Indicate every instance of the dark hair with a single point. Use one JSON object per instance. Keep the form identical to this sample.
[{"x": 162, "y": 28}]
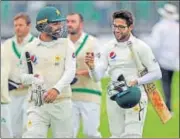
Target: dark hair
[
  {"x": 124, "y": 14},
  {"x": 23, "y": 16},
  {"x": 80, "y": 16}
]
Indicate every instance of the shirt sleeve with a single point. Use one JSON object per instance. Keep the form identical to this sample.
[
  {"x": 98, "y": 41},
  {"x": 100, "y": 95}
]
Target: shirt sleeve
[
  {"x": 5, "y": 69},
  {"x": 148, "y": 60},
  {"x": 70, "y": 69},
  {"x": 150, "y": 77},
  {"x": 147, "y": 57},
  {"x": 101, "y": 63}
]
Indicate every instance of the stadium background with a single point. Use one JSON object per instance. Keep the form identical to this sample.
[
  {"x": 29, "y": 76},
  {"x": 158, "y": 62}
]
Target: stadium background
[{"x": 97, "y": 18}]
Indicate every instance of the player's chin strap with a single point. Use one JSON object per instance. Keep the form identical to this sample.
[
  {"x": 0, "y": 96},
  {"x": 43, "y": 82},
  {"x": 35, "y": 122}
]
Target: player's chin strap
[{"x": 61, "y": 33}]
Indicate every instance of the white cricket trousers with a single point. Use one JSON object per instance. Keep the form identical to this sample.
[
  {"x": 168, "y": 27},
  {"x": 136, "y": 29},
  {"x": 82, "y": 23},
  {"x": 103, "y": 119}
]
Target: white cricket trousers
[
  {"x": 58, "y": 116},
  {"x": 90, "y": 114},
  {"x": 6, "y": 130},
  {"x": 18, "y": 107},
  {"x": 126, "y": 123}
]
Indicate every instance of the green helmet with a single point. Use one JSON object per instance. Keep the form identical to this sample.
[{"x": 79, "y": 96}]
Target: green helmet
[
  {"x": 125, "y": 96},
  {"x": 46, "y": 16},
  {"x": 128, "y": 98}
]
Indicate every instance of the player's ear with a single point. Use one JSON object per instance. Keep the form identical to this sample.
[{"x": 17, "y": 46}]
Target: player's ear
[
  {"x": 29, "y": 26},
  {"x": 131, "y": 27},
  {"x": 81, "y": 25}
]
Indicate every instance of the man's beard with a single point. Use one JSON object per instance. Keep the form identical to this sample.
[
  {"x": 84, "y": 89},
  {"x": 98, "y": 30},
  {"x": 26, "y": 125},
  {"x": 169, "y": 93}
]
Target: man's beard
[
  {"x": 123, "y": 37},
  {"x": 20, "y": 35},
  {"x": 74, "y": 32}
]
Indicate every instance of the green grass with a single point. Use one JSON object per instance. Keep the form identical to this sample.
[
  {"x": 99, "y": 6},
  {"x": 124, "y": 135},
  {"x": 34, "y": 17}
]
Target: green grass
[{"x": 153, "y": 127}]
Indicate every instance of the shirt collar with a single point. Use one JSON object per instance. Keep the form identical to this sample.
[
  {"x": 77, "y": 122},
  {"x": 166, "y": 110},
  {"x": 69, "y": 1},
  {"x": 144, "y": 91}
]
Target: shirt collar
[
  {"x": 25, "y": 40},
  {"x": 46, "y": 44},
  {"x": 80, "y": 40},
  {"x": 131, "y": 38}
]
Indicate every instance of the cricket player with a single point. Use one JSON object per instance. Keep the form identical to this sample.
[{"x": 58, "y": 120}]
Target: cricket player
[
  {"x": 86, "y": 94},
  {"x": 125, "y": 123},
  {"x": 18, "y": 91},
  {"x": 6, "y": 129},
  {"x": 49, "y": 66}
]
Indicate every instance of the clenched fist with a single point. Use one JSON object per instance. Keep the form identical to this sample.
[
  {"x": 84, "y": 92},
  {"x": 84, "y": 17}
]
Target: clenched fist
[
  {"x": 133, "y": 83},
  {"x": 89, "y": 60},
  {"x": 50, "y": 95}
]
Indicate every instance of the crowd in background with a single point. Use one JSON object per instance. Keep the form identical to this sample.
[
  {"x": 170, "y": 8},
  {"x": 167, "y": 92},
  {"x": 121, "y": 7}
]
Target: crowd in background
[{"x": 97, "y": 14}]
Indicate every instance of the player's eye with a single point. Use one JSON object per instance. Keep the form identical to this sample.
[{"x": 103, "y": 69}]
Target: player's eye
[{"x": 119, "y": 27}]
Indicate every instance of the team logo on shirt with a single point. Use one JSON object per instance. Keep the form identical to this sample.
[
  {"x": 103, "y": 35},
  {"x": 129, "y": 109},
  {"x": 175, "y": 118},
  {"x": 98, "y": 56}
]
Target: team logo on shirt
[
  {"x": 29, "y": 124},
  {"x": 136, "y": 108},
  {"x": 57, "y": 60},
  {"x": 34, "y": 59},
  {"x": 112, "y": 55}
]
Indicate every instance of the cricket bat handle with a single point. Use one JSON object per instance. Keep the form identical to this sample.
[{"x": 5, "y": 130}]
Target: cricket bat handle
[
  {"x": 29, "y": 64},
  {"x": 30, "y": 67}
]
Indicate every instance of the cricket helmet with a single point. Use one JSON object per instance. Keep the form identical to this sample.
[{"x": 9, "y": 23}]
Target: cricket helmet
[
  {"x": 126, "y": 97},
  {"x": 49, "y": 15}
]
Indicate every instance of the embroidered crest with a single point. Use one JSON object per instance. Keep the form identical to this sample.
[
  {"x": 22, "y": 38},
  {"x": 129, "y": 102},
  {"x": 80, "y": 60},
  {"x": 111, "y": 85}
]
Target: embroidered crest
[
  {"x": 57, "y": 12},
  {"x": 57, "y": 60},
  {"x": 29, "y": 124},
  {"x": 136, "y": 108}
]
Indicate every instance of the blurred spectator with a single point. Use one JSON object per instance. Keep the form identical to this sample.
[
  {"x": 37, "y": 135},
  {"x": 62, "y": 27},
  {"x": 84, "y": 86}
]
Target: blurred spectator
[
  {"x": 33, "y": 8},
  {"x": 5, "y": 11},
  {"x": 35, "y": 5},
  {"x": 164, "y": 41},
  {"x": 103, "y": 8},
  {"x": 19, "y": 6}
]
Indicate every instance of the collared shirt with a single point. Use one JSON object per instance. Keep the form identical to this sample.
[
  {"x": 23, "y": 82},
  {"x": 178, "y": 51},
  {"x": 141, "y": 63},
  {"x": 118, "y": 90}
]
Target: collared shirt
[
  {"x": 96, "y": 47},
  {"x": 25, "y": 40},
  {"x": 55, "y": 62},
  {"x": 80, "y": 40},
  {"x": 118, "y": 59},
  {"x": 48, "y": 43}
]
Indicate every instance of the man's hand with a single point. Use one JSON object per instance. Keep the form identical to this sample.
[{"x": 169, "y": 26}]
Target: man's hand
[
  {"x": 50, "y": 95},
  {"x": 89, "y": 60},
  {"x": 82, "y": 72},
  {"x": 133, "y": 83},
  {"x": 21, "y": 86}
]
